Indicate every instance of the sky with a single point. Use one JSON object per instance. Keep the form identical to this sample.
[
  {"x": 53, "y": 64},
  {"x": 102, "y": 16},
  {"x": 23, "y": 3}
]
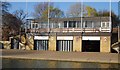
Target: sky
[{"x": 64, "y": 6}]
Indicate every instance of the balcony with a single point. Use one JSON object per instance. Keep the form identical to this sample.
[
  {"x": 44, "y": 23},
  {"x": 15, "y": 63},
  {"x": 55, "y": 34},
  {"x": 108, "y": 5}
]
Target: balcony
[{"x": 41, "y": 30}]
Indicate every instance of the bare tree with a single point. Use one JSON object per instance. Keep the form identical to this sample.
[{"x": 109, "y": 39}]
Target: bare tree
[
  {"x": 41, "y": 11},
  {"x": 78, "y": 10},
  {"x": 56, "y": 13},
  {"x": 5, "y": 6},
  {"x": 74, "y": 10},
  {"x": 20, "y": 14},
  {"x": 11, "y": 25}
]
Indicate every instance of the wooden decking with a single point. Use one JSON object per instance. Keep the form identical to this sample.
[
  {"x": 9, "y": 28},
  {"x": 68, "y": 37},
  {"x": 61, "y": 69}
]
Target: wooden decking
[{"x": 61, "y": 56}]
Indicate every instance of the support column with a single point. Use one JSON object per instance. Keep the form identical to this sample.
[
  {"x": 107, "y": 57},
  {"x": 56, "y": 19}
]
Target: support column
[
  {"x": 105, "y": 44},
  {"x": 52, "y": 43},
  {"x": 77, "y": 43}
]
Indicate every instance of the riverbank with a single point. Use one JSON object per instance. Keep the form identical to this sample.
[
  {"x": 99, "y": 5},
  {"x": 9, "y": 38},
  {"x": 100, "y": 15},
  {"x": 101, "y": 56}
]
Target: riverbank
[{"x": 61, "y": 56}]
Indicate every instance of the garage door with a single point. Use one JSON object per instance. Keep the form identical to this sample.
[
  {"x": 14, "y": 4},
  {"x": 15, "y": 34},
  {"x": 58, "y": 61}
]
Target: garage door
[
  {"x": 64, "y": 45},
  {"x": 41, "y": 45},
  {"x": 90, "y": 46}
]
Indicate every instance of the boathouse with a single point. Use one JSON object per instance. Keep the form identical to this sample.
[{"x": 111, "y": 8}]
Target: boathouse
[{"x": 81, "y": 34}]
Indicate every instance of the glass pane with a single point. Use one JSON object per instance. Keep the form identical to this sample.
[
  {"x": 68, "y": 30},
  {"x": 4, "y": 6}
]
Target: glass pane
[
  {"x": 107, "y": 24},
  {"x": 78, "y": 24},
  {"x": 70, "y": 24},
  {"x": 74, "y": 24},
  {"x": 65, "y": 24},
  {"x": 88, "y": 24},
  {"x": 97, "y": 24},
  {"x": 103, "y": 24}
]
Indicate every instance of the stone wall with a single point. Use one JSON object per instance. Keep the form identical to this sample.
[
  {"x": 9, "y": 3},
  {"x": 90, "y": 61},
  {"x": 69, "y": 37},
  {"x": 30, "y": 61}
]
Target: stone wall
[
  {"x": 6, "y": 44},
  {"x": 52, "y": 43},
  {"x": 77, "y": 43},
  {"x": 105, "y": 44},
  {"x": 27, "y": 43}
]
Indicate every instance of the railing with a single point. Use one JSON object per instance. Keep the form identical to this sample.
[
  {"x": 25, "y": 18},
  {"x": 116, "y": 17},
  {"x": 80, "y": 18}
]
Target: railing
[{"x": 68, "y": 30}]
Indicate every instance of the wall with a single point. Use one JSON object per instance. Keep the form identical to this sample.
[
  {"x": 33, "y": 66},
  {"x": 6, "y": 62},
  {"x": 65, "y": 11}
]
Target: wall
[
  {"x": 6, "y": 44},
  {"x": 52, "y": 43},
  {"x": 105, "y": 44},
  {"x": 77, "y": 43}
]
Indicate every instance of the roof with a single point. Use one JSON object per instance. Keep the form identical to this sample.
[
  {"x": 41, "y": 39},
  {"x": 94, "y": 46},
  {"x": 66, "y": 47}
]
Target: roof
[{"x": 75, "y": 19}]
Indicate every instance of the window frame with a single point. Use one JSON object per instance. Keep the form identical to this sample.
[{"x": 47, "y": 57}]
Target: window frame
[
  {"x": 86, "y": 26},
  {"x": 106, "y": 24}
]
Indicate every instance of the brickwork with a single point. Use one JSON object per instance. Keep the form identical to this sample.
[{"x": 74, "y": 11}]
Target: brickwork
[
  {"x": 77, "y": 43},
  {"x": 52, "y": 43},
  {"x": 105, "y": 44}
]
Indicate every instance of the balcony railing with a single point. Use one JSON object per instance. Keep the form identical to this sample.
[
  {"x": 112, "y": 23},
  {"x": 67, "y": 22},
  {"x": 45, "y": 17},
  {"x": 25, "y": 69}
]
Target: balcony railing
[{"x": 69, "y": 30}]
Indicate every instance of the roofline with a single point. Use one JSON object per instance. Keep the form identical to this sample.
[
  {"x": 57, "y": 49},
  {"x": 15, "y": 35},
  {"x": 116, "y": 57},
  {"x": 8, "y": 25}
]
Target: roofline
[{"x": 73, "y": 18}]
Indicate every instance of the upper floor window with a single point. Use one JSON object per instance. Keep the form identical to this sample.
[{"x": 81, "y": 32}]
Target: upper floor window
[
  {"x": 105, "y": 24},
  {"x": 34, "y": 25},
  {"x": 97, "y": 24},
  {"x": 43, "y": 25},
  {"x": 88, "y": 24},
  {"x": 65, "y": 24},
  {"x": 72, "y": 24},
  {"x": 78, "y": 24}
]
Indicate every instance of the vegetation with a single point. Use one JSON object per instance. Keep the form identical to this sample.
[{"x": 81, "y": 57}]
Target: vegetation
[
  {"x": 74, "y": 10},
  {"x": 87, "y": 11},
  {"x": 91, "y": 11},
  {"x": 78, "y": 10},
  {"x": 11, "y": 23},
  {"x": 41, "y": 11}
]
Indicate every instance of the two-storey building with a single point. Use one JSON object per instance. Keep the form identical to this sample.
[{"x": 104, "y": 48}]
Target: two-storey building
[{"x": 82, "y": 34}]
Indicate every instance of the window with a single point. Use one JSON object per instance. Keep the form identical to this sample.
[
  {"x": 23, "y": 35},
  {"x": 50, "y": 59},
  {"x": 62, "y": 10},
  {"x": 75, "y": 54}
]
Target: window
[
  {"x": 105, "y": 24},
  {"x": 36, "y": 25},
  {"x": 72, "y": 24},
  {"x": 56, "y": 25},
  {"x": 44, "y": 25},
  {"x": 33, "y": 25},
  {"x": 61, "y": 25},
  {"x": 78, "y": 24},
  {"x": 88, "y": 24},
  {"x": 65, "y": 24},
  {"x": 97, "y": 24},
  {"x": 39, "y": 25}
]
